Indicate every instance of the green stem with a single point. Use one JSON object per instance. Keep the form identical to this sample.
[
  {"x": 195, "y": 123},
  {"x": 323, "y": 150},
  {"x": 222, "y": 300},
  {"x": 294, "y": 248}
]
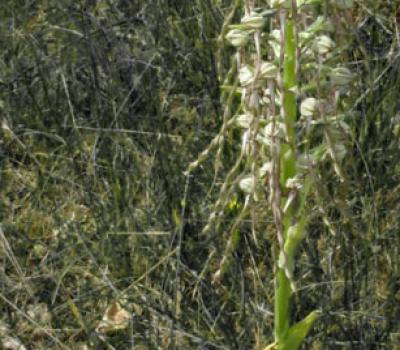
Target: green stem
[
  {"x": 282, "y": 296},
  {"x": 288, "y": 337},
  {"x": 283, "y": 290},
  {"x": 288, "y": 161}
]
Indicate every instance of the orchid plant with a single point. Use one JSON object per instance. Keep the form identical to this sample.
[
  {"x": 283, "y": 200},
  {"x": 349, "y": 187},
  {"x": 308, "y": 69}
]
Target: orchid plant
[{"x": 292, "y": 118}]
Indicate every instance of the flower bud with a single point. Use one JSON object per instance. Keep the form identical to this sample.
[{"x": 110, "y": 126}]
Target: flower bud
[
  {"x": 294, "y": 183},
  {"x": 323, "y": 44},
  {"x": 244, "y": 120},
  {"x": 309, "y": 107},
  {"x": 266, "y": 98},
  {"x": 281, "y": 3},
  {"x": 269, "y": 132},
  {"x": 237, "y": 38},
  {"x": 340, "y": 76},
  {"x": 268, "y": 70},
  {"x": 253, "y": 21},
  {"x": 265, "y": 169},
  {"x": 344, "y": 4},
  {"x": 247, "y": 184}
]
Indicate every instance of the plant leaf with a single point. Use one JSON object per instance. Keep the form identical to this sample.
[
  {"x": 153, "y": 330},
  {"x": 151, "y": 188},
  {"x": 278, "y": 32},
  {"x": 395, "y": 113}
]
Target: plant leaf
[{"x": 298, "y": 332}]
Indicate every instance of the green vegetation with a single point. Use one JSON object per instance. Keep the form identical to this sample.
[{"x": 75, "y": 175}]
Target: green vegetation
[{"x": 163, "y": 189}]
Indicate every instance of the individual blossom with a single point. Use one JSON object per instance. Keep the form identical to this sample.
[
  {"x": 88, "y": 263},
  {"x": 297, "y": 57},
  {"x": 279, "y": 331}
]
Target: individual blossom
[
  {"x": 323, "y": 44},
  {"x": 281, "y": 3},
  {"x": 266, "y": 97},
  {"x": 268, "y": 70},
  {"x": 237, "y": 38},
  {"x": 270, "y": 132},
  {"x": 340, "y": 76},
  {"x": 266, "y": 169},
  {"x": 244, "y": 120},
  {"x": 246, "y": 75},
  {"x": 344, "y": 4},
  {"x": 253, "y": 21},
  {"x": 309, "y": 107},
  {"x": 247, "y": 184}
]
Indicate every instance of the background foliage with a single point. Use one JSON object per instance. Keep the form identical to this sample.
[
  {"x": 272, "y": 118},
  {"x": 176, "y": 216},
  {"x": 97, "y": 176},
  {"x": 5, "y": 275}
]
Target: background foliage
[{"x": 103, "y": 105}]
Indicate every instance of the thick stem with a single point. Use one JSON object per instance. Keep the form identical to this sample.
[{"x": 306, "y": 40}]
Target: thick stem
[
  {"x": 283, "y": 293},
  {"x": 288, "y": 161},
  {"x": 283, "y": 290}
]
